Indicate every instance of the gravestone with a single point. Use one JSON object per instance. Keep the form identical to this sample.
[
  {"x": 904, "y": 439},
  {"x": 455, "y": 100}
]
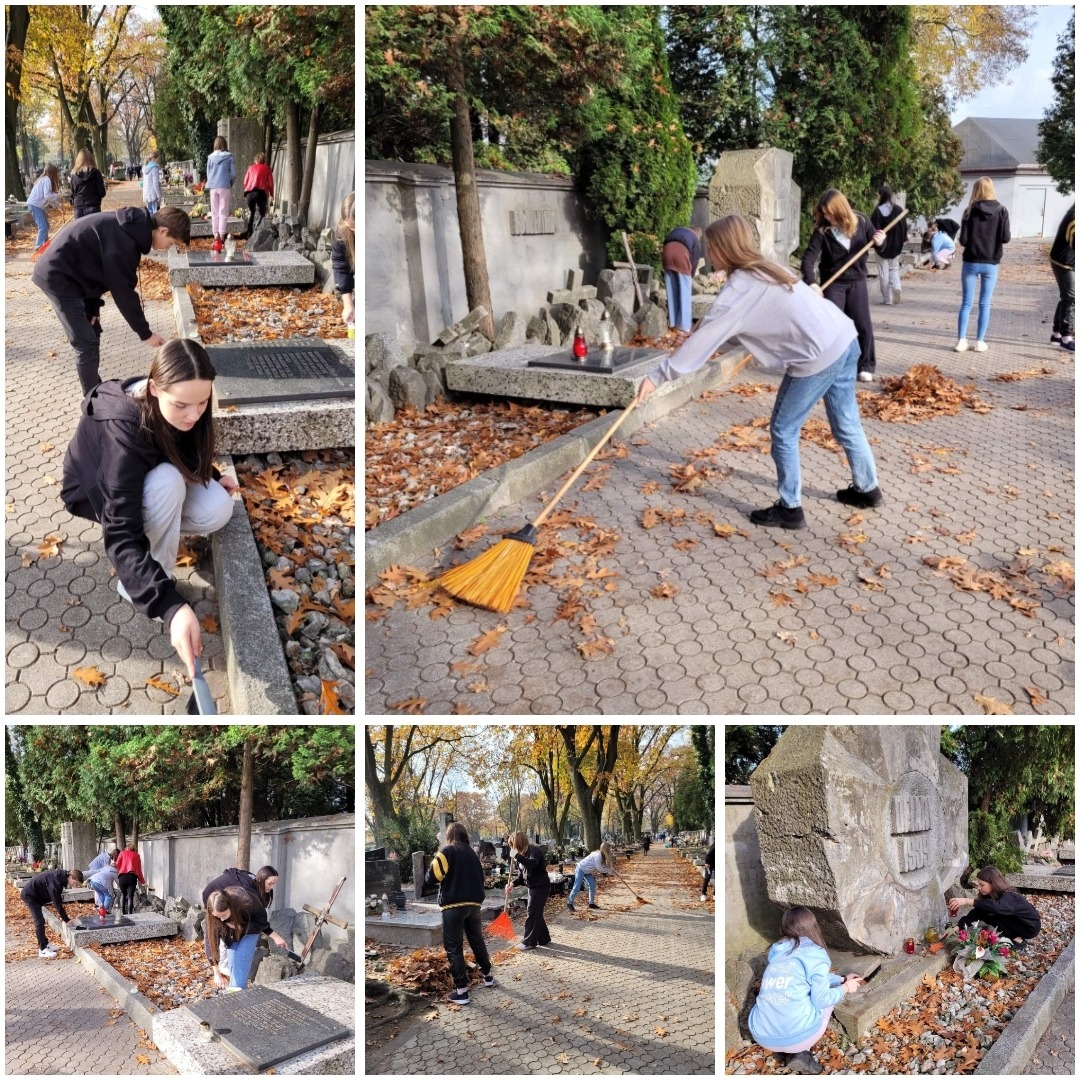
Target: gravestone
[
  {"x": 384, "y": 876},
  {"x": 866, "y": 826},
  {"x": 598, "y": 361},
  {"x": 201, "y": 227},
  {"x": 263, "y": 1027},
  {"x": 78, "y": 844},
  {"x": 758, "y": 185},
  {"x": 304, "y": 369},
  {"x": 420, "y": 864},
  {"x": 244, "y": 269},
  {"x": 138, "y": 926},
  {"x": 96, "y": 922}
]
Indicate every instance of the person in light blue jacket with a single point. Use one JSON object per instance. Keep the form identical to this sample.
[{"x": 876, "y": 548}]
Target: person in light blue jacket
[
  {"x": 220, "y": 177},
  {"x": 152, "y": 184},
  {"x": 798, "y": 993},
  {"x": 102, "y": 882}
]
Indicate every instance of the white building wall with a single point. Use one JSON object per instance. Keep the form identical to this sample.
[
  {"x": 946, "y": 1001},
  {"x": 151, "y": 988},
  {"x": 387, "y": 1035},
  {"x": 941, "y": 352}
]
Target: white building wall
[{"x": 1012, "y": 193}]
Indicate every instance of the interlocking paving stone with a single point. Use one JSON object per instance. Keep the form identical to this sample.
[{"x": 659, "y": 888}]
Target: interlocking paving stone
[{"x": 868, "y": 644}]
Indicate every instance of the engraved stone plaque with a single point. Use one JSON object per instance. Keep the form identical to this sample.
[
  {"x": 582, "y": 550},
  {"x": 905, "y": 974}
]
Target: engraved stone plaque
[
  {"x": 262, "y": 1027},
  {"x": 281, "y": 371},
  {"x": 95, "y": 922}
]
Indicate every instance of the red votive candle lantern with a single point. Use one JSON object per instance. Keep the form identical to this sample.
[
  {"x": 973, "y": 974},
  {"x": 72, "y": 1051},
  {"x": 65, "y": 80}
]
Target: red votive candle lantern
[{"x": 909, "y": 945}]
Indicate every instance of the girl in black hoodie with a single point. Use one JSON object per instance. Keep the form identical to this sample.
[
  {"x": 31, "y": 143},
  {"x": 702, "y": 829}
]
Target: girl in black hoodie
[
  {"x": 1001, "y": 906},
  {"x": 983, "y": 231},
  {"x": 87, "y": 186},
  {"x": 141, "y": 464},
  {"x": 838, "y": 233},
  {"x": 532, "y": 871}
]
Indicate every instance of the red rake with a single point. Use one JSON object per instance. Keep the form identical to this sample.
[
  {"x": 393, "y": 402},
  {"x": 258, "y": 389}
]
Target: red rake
[{"x": 502, "y": 926}]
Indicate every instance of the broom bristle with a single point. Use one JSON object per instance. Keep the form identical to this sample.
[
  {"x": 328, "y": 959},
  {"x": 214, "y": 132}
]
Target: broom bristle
[
  {"x": 502, "y": 927},
  {"x": 492, "y": 579}
]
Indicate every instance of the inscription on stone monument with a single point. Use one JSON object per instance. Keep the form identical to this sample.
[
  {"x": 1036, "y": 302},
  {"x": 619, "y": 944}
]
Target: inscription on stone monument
[{"x": 287, "y": 371}]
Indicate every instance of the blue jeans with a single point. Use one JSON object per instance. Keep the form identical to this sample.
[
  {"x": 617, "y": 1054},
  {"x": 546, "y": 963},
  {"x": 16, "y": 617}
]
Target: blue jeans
[
  {"x": 581, "y": 878},
  {"x": 678, "y": 299},
  {"x": 794, "y": 400},
  {"x": 238, "y": 960},
  {"x": 42, "y": 223},
  {"x": 968, "y": 273},
  {"x": 103, "y": 899},
  {"x": 152, "y": 207}
]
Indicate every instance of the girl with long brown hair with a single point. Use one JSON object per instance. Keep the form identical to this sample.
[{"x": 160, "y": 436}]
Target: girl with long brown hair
[
  {"x": 839, "y": 232},
  {"x": 767, "y": 310},
  {"x": 999, "y": 905},
  {"x": 601, "y": 861},
  {"x": 141, "y": 464},
  {"x": 798, "y": 993},
  {"x": 343, "y": 258},
  {"x": 531, "y": 861},
  {"x": 234, "y": 920},
  {"x": 45, "y": 193}
]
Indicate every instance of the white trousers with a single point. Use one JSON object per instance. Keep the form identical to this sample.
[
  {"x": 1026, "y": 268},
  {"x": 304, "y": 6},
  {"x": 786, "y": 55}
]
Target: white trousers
[
  {"x": 172, "y": 507},
  {"x": 888, "y": 276}
]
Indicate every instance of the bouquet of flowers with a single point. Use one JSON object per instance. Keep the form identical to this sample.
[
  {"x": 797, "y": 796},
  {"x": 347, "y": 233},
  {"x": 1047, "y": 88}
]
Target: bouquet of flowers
[
  {"x": 977, "y": 950},
  {"x": 198, "y": 210}
]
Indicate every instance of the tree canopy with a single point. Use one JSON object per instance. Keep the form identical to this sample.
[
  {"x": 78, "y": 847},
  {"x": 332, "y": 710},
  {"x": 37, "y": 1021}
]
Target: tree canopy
[{"x": 1057, "y": 129}]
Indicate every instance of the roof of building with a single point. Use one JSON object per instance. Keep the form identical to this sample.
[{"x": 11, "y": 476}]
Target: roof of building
[{"x": 992, "y": 143}]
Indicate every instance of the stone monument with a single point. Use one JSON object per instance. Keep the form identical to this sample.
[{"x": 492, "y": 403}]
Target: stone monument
[
  {"x": 864, "y": 825},
  {"x": 758, "y": 185},
  {"x": 78, "y": 844}
]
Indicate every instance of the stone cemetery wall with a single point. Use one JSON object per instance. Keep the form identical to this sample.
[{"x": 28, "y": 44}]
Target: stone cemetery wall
[
  {"x": 534, "y": 227},
  {"x": 865, "y": 825},
  {"x": 310, "y": 854},
  {"x": 333, "y": 179}
]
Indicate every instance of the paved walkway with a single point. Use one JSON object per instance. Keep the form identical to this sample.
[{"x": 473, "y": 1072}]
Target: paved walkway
[
  {"x": 63, "y": 612},
  {"x": 631, "y": 992},
  {"x": 1055, "y": 1052},
  {"x": 59, "y": 1022},
  {"x": 911, "y": 643}
]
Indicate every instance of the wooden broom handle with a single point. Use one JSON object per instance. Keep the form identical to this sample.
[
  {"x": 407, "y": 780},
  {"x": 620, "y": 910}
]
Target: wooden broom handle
[
  {"x": 537, "y": 522},
  {"x": 859, "y": 254}
]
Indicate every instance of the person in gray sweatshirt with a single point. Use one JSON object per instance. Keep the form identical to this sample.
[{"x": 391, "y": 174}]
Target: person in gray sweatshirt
[{"x": 788, "y": 327}]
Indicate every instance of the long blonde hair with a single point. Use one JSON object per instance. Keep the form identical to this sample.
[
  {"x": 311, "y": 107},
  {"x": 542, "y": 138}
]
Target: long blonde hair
[
  {"x": 983, "y": 188},
  {"x": 731, "y": 246},
  {"x": 606, "y": 857},
  {"x": 83, "y": 160},
  {"x": 346, "y": 227},
  {"x": 834, "y": 209}
]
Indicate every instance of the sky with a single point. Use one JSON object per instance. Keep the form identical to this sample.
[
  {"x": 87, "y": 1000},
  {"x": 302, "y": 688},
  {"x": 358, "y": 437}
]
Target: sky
[{"x": 1027, "y": 93}]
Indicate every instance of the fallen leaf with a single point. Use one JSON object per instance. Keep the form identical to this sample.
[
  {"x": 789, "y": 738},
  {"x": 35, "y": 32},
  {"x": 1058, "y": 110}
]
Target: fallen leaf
[
  {"x": 158, "y": 683},
  {"x": 661, "y": 1033},
  {"x": 90, "y": 676},
  {"x": 787, "y": 636},
  {"x": 142, "y": 1059},
  {"x": 782, "y": 599},
  {"x": 412, "y": 705},
  {"x": 993, "y": 707},
  {"x": 598, "y": 646},
  {"x": 1036, "y": 695},
  {"x": 50, "y": 547},
  {"x": 665, "y": 591},
  {"x": 209, "y": 624},
  {"x": 488, "y": 641}
]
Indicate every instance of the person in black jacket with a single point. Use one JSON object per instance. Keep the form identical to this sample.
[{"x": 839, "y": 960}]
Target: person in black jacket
[
  {"x": 999, "y": 905},
  {"x": 235, "y": 961},
  {"x": 532, "y": 871},
  {"x": 839, "y": 232},
  {"x": 1062, "y": 262},
  {"x": 710, "y": 865},
  {"x": 888, "y": 255},
  {"x": 984, "y": 228},
  {"x": 141, "y": 464},
  {"x": 87, "y": 186},
  {"x": 48, "y": 888},
  {"x": 343, "y": 258},
  {"x": 457, "y": 871},
  {"x": 101, "y": 254}
]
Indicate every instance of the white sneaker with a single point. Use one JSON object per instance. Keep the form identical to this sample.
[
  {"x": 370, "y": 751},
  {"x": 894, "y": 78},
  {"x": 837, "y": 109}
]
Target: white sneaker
[
  {"x": 48, "y": 954},
  {"x": 961, "y": 345},
  {"x": 866, "y": 376},
  {"x": 703, "y": 898},
  {"x": 981, "y": 346},
  {"x": 896, "y": 296}
]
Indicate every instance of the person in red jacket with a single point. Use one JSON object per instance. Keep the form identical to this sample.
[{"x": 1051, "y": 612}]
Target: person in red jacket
[
  {"x": 128, "y": 871},
  {"x": 258, "y": 186}
]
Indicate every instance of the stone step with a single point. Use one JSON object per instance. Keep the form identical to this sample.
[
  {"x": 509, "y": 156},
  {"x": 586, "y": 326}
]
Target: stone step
[{"x": 897, "y": 980}]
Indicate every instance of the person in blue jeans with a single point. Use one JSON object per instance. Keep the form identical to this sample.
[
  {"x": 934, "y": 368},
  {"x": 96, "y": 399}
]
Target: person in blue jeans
[
  {"x": 102, "y": 881},
  {"x": 234, "y": 921},
  {"x": 681, "y": 255},
  {"x": 596, "y": 862},
  {"x": 984, "y": 230},
  {"x": 45, "y": 193},
  {"x": 765, "y": 309}
]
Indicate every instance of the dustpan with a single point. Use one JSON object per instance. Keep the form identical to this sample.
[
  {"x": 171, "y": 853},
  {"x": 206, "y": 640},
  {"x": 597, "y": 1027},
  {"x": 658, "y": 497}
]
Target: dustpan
[{"x": 201, "y": 702}]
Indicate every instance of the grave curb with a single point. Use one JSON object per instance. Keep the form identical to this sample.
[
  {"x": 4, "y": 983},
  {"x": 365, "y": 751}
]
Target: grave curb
[
  {"x": 139, "y": 1007},
  {"x": 1011, "y": 1054},
  {"x": 409, "y": 538},
  {"x": 184, "y": 312},
  {"x": 259, "y": 681}
]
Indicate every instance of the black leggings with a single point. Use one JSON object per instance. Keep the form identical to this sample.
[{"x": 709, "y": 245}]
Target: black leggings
[
  {"x": 255, "y": 198},
  {"x": 39, "y": 919},
  {"x": 127, "y": 883},
  {"x": 1063, "y": 313},
  {"x": 853, "y": 299}
]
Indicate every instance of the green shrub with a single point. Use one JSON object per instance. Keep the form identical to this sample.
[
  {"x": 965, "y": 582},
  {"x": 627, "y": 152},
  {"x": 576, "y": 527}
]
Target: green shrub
[
  {"x": 991, "y": 843},
  {"x": 407, "y": 835}
]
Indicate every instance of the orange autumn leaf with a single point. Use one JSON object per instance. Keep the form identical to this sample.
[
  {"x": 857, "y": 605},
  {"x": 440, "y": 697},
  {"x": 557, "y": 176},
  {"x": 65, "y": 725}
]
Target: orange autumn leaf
[
  {"x": 90, "y": 676},
  {"x": 209, "y": 624},
  {"x": 409, "y": 705},
  {"x": 159, "y": 684},
  {"x": 50, "y": 547},
  {"x": 329, "y": 703},
  {"x": 488, "y": 641},
  {"x": 345, "y": 653}
]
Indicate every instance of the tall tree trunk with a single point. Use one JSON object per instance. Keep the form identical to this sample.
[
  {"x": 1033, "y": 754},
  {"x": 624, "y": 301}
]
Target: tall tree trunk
[
  {"x": 118, "y": 825},
  {"x": 294, "y": 166},
  {"x": 309, "y": 162},
  {"x": 470, "y": 223},
  {"x": 268, "y": 139},
  {"x": 380, "y": 791},
  {"x": 135, "y": 829},
  {"x": 590, "y": 797},
  {"x": 247, "y": 776},
  {"x": 18, "y": 22}
]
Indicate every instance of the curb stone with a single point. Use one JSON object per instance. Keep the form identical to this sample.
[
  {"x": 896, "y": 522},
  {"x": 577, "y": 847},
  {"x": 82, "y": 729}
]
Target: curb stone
[{"x": 1012, "y": 1053}]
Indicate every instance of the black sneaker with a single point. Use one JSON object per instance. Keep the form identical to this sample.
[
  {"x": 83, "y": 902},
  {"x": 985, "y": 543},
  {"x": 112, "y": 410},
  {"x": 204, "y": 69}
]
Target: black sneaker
[
  {"x": 489, "y": 979},
  {"x": 779, "y": 516},
  {"x": 459, "y": 997},
  {"x": 1055, "y": 337},
  {"x": 1068, "y": 346},
  {"x": 570, "y": 908},
  {"x": 804, "y": 1063},
  {"x": 852, "y": 496},
  {"x": 595, "y": 907}
]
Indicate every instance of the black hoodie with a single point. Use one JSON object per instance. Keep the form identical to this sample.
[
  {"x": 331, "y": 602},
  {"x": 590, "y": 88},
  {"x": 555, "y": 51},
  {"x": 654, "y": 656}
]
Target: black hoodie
[
  {"x": 48, "y": 888},
  {"x": 983, "y": 231},
  {"x": 833, "y": 254},
  {"x": 87, "y": 188},
  {"x": 99, "y": 254},
  {"x": 1012, "y": 913},
  {"x": 456, "y": 869},
  {"x": 532, "y": 868},
  {"x": 104, "y": 471},
  {"x": 1063, "y": 251},
  {"x": 895, "y": 238}
]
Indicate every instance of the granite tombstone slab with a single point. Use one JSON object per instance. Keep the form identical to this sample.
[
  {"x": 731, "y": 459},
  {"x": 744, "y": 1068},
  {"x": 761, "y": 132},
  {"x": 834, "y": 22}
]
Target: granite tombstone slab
[
  {"x": 598, "y": 361},
  {"x": 96, "y": 922},
  {"x": 213, "y": 268},
  {"x": 262, "y": 1027},
  {"x": 866, "y": 826},
  {"x": 291, "y": 370}
]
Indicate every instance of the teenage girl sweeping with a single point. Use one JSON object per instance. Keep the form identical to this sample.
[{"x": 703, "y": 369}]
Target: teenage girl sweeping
[
  {"x": 765, "y": 309},
  {"x": 1000, "y": 906},
  {"x": 45, "y": 193},
  {"x": 141, "y": 464},
  {"x": 596, "y": 862},
  {"x": 532, "y": 871},
  {"x": 798, "y": 993},
  {"x": 838, "y": 233}
]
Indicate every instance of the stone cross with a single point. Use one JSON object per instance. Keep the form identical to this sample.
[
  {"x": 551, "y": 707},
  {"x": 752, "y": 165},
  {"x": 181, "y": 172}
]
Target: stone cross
[{"x": 866, "y": 826}]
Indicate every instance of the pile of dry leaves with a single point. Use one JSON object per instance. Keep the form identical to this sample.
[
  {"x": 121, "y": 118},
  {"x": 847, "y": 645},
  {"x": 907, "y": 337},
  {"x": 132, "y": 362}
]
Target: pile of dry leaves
[
  {"x": 921, "y": 393},
  {"x": 426, "y": 971},
  {"x": 421, "y": 454},
  {"x": 265, "y": 313},
  {"x": 170, "y": 972}
]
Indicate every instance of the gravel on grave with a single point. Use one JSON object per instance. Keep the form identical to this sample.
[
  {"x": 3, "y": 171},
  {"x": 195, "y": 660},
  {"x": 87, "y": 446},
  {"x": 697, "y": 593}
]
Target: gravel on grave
[
  {"x": 302, "y": 507},
  {"x": 943, "y": 1029}
]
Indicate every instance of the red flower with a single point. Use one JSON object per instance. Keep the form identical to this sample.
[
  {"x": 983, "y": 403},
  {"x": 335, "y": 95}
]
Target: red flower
[
  {"x": 1004, "y": 950},
  {"x": 993, "y": 939},
  {"x": 963, "y": 935}
]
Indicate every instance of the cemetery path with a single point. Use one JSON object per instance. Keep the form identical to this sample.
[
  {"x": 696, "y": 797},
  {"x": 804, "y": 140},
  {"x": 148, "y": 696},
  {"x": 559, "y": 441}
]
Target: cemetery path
[
  {"x": 57, "y": 1021},
  {"x": 626, "y": 989},
  {"x": 703, "y": 624},
  {"x": 1055, "y": 1052},
  {"x": 62, "y": 611}
]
